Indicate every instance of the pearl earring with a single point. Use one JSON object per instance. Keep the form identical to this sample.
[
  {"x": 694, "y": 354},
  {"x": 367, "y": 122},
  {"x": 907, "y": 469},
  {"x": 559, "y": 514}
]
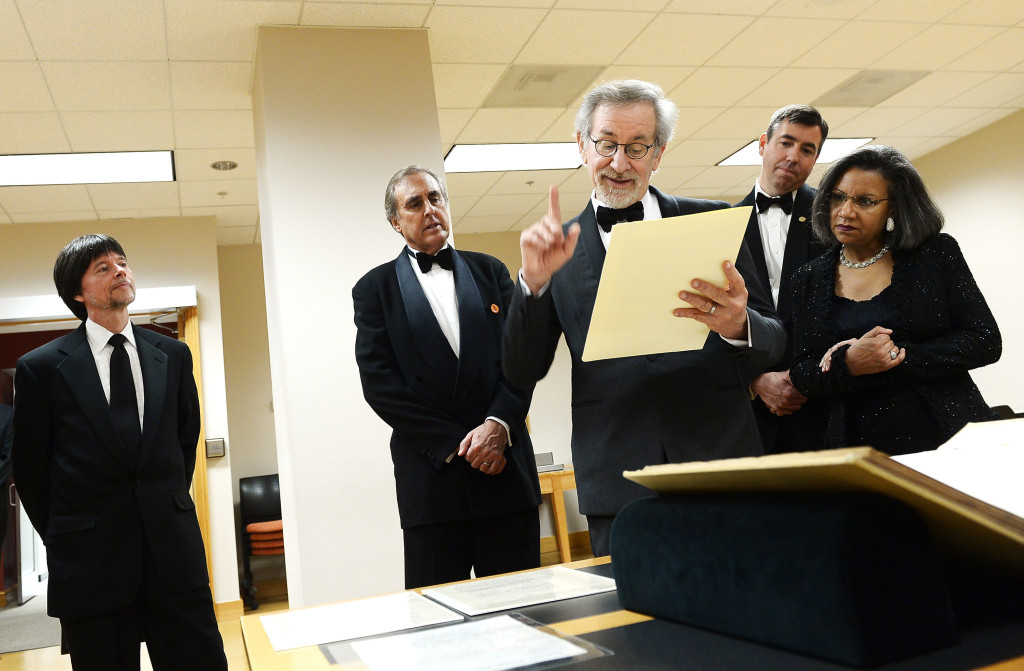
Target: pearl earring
[{"x": 890, "y": 225}]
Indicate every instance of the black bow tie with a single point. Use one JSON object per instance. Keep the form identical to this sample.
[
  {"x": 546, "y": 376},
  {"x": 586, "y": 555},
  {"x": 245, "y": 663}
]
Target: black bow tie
[
  {"x": 764, "y": 201},
  {"x": 608, "y": 217},
  {"x": 443, "y": 258}
]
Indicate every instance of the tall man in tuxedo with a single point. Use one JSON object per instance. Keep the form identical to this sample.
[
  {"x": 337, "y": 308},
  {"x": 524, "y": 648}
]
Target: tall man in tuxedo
[
  {"x": 428, "y": 343},
  {"x": 106, "y": 421},
  {"x": 630, "y": 412},
  {"x": 780, "y": 241}
]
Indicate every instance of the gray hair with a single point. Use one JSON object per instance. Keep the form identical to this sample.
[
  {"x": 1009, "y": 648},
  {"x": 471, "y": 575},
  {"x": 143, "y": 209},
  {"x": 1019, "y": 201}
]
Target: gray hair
[
  {"x": 390, "y": 208},
  {"x": 627, "y": 92}
]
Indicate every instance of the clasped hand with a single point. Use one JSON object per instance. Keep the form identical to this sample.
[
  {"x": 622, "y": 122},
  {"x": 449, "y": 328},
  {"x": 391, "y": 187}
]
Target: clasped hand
[
  {"x": 873, "y": 352},
  {"x": 484, "y": 447},
  {"x": 723, "y": 310}
]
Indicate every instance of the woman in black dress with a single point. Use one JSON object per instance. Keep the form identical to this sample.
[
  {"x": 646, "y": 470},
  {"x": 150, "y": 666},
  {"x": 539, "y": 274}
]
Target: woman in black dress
[{"x": 889, "y": 320}]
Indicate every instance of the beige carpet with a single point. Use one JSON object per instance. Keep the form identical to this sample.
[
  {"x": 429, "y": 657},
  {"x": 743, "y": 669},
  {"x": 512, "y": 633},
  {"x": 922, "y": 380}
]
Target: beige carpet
[{"x": 27, "y": 627}]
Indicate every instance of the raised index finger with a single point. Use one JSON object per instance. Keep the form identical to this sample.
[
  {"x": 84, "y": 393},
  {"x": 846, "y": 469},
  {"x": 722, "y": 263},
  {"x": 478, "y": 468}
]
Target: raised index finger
[{"x": 553, "y": 207}]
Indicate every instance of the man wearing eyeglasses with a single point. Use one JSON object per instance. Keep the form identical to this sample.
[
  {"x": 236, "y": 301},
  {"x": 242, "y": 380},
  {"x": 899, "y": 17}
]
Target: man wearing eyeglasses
[
  {"x": 780, "y": 241},
  {"x": 630, "y": 412}
]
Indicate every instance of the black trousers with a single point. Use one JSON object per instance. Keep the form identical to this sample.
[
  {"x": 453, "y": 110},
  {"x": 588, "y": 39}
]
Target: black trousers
[
  {"x": 180, "y": 631},
  {"x": 445, "y": 552},
  {"x": 600, "y": 527}
]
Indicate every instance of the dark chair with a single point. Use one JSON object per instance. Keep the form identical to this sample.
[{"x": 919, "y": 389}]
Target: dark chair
[
  {"x": 1004, "y": 412},
  {"x": 262, "y": 531}
]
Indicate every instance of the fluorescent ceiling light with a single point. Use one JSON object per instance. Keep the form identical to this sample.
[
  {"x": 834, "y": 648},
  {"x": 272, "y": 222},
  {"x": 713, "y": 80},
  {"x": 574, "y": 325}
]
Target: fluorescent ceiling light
[
  {"x": 833, "y": 150},
  {"x": 501, "y": 157},
  {"x": 97, "y": 168}
]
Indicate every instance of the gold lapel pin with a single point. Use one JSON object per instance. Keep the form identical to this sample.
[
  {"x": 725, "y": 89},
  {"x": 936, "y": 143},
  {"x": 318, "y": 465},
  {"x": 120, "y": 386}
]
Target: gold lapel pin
[{"x": 494, "y": 308}]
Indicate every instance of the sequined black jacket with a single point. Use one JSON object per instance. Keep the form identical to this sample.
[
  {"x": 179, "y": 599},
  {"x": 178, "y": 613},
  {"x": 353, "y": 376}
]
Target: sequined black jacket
[{"x": 942, "y": 320}]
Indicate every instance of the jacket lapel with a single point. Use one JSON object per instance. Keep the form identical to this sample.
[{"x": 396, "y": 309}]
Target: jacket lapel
[
  {"x": 154, "y": 383},
  {"x": 428, "y": 337},
  {"x": 798, "y": 248},
  {"x": 79, "y": 372},
  {"x": 472, "y": 326}
]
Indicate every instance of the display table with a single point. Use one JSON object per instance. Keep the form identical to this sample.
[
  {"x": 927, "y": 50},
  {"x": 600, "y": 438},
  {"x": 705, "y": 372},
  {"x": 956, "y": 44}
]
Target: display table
[
  {"x": 641, "y": 642},
  {"x": 556, "y": 483}
]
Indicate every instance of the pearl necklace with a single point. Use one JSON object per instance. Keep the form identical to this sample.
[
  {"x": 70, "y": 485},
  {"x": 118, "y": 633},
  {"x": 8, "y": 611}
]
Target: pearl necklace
[{"x": 862, "y": 264}]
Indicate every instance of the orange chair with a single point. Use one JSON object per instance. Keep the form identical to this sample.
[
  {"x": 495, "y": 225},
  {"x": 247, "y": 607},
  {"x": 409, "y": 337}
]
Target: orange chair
[{"x": 262, "y": 530}]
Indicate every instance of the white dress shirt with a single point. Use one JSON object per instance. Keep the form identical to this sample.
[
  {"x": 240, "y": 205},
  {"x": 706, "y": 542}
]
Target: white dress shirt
[
  {"x": 773, "y": 224},
  {"x": 99, "y": 338}
]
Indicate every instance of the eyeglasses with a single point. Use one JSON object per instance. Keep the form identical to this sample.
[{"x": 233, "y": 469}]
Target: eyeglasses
[
  {"x": 837, "y": 198},
  {"x": 633, "y": 149}
]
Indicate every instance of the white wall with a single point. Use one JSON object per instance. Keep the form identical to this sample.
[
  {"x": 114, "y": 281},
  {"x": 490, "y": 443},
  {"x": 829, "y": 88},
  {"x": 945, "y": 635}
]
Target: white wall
[
  {"x": 162, "y": 253},
  {"x": 978, "y": 181},
  {"x": 328, "y": 138}
]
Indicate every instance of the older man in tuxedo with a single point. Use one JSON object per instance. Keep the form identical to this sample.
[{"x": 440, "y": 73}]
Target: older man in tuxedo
[
  {"x": 635, "y": 411},
  {"x": 780, "y": 241},
  {"x": 428, "y": 343},
  {"x": 106, "y": 422}
]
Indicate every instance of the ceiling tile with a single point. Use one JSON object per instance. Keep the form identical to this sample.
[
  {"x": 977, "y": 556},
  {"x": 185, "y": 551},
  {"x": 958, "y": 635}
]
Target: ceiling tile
[
  {"x": 118, "y": 131},
  {"x": 140, "y": 213},
  {"x": 874, "y": 39},
  {"x": 998, "y": 91},
  {"x": 97, "y": 30},
  {"x": 493, "y": 3},
  {"x": 703, "y": 152},
  {"x": 460, "y": 85},
  {"x": 665, "y": 76},
  {"x": 837, "y": 116},
  {"x": 493, "y": 206},
  {"x": 876, "y": 121},
  {"x": 503, "y": 124},
  {"x": 228, "y": 216},
  {"x": 32, "y": 133},
  {"x": 200, "y": 30},
  {"x": 209, "y": 193},
  {"x": 562, "y": 129},
  {"x": 662, "y": 43},
  {"x": 668, "y": 179},
  {"x": 14, "y": 42},
  {"x": 796, "y": 85},
  {"x": 982, "y": 120},
  {"x": 988, "y": 13},
  {"x": 693, "y": 119},
  {"x": 23, "y": 88},
  {"x": 748, "y": 47},
  {"x": 928, "y": 145},
  {"x": 467, "y": 184},
  {"x": 530, "y": 182},
  {"x": 4, "y": 219},
  {"x": 119, "y": 85},
  {"x": 54, "y": 198},
  {"x": 741, "y": 123},
  {"x": 236, "y": 235},
  {"x": 740, "y": 7},
  {"x": 451, "y": 123},
  {"x": 938, "y": 121},
  {"x": 936, "y": 88},
  {"x": 724, "y": 177},
  {"x": 1002, "y": 52},
  {"x": 468, "y": 35},
  {"x": 364, "y": 15},
  {"x": 210, "y": 85},
  {"x": 614, "y": 5},
  {"x": 568, "y": 36},
  {"x": 460, "y": 204},
  {"x": 719, "y": 87},
  {"x": 816, "y": 9},
  {"x": 134, "y": 196},
  {"x": 48, "y": 217},
  {"x": 194, "y": 164},
  {"x": 196, "y": 130},
  {"x": 935, "y": 46},
  {"x": 578, "y": 182},
  {"x": 920, "y": 11}
]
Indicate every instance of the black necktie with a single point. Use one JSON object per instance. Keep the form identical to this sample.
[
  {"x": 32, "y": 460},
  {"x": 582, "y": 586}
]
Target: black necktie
[
  {"x": 608, "y": 217},
  {"x": 443, "y": 258},
  {"x": 124, "y": 406},
  {"x": 764, "y": 201}
]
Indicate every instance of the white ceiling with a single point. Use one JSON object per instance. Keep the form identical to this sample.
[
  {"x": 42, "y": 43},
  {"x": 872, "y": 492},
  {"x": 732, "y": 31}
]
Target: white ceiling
[{"x": 108, "y": 75}]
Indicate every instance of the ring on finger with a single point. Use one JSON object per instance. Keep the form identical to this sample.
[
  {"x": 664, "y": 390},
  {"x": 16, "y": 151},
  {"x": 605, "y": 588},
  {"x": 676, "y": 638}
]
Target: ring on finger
[
  {"x": 714, "y": 306},
  {"x": 893, "y": 353}
]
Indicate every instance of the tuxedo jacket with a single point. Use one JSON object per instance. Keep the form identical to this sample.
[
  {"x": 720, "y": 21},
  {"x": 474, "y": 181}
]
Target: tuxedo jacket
[
  {"x": 6, "y": 439},
  {"x": 630, "y": 412},
  {"x": 93, "y": 501},
  {"x": 431, "y": 399},
  {"x": 803, "y": 430}
]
